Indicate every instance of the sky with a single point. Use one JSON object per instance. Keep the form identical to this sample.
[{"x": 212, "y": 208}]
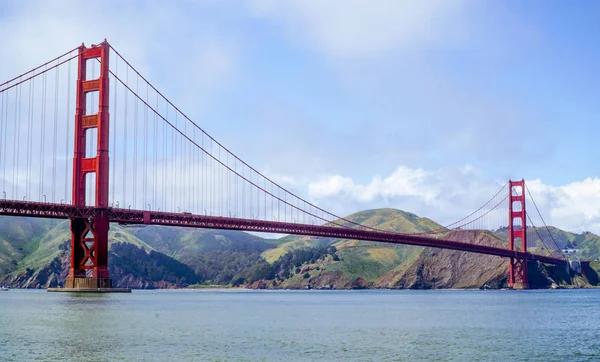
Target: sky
[{"x": 428, "y": 106}]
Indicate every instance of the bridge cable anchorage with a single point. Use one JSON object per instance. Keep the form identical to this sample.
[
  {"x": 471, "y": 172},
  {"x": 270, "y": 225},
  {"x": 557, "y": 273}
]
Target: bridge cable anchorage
[{"x": 545, "y": 225}]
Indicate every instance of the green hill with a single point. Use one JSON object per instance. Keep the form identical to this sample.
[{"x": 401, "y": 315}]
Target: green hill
[
  {"x": 384, "y": 219},
  {"x": 32, "y": 245},
  {"x": 215, "y": 255},
  {"x": 19, "y": 237},
  {"x": 359, "y": 264},
  {"x": 49, "y": 244},
  {"x": 587, "y": 243},
  {"x": 34, "y": 253}
]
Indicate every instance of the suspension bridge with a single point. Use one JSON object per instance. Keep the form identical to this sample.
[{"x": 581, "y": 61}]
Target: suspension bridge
[{"x": 60, "y": 121}]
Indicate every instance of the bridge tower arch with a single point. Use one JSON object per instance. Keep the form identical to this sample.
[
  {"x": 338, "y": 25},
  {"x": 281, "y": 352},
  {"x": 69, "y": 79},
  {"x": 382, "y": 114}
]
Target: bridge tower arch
[
  {"x": 517, "y": 231},
  {"x": 89, "y": 236}
]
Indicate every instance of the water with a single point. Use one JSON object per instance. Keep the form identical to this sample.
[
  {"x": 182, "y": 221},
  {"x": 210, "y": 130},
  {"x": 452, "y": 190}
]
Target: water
[{"x": 301, "y": 325}]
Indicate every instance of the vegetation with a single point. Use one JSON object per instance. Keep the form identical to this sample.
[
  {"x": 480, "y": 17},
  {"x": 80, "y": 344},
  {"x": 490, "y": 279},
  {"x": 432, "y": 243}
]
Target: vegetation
[
  {"x": 128, "y": 259},
  {"x": 587, "y": 243},
  {"x": 19, "y": 237},
  {"x": 220, "y": 267},
  {"x": 155, "y": 256},
  {"x": 285, "y": 267}
]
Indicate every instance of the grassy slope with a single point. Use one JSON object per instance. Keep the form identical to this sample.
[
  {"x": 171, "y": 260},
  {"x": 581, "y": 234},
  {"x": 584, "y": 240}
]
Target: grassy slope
[
  {"x": 20, "y": 237},
  {"x": 361, "y": 259},
  {"x": 383, "y": 265},
  {"x": 385, "y": 219},
  {"x": 185, "y": 244},
  {"x": 34, "y": 243},
  {"x": 587, "y": 243},
  {"x": 49, "y": 243}
]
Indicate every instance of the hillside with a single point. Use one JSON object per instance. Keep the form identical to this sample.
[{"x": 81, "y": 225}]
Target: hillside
[
  {"x": 385, "y": 219},
  {"x": 35, "y": 254},
  {"x": 215, "y": 255},
  {"x": 358, "y": 264},
  {"x": 35, "y": 250},
  {"x": 587, "y": 243},
  {"x": 130, "y": 266},
  {"x": 19, "y": 237}
]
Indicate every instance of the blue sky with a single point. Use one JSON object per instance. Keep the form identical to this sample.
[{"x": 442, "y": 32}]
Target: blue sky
[{"x": 435, "y": 98}]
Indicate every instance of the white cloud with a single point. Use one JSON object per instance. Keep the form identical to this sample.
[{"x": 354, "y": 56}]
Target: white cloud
[
  {"x": 403, "y": 182},
  {"x": 181, "y": 54},
  {"x": 447, "y": 195},
  {"x": 575, "y": 205},
  {"x": 363, "y": 29}
]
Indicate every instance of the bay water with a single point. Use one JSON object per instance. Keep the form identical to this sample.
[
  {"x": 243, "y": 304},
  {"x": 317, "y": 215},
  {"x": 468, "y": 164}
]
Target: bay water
[{"x": 240, "y": 325}]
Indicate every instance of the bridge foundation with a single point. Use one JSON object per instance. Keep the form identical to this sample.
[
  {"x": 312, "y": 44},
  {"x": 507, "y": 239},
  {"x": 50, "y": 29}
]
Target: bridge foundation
[{"x": 518, "y": 274}]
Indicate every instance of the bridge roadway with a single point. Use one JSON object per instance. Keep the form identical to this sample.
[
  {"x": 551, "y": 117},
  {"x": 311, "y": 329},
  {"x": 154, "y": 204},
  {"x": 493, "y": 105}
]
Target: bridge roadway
[{"x": 128, "y": 216}]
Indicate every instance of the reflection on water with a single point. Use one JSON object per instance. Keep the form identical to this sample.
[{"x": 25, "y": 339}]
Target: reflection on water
[
  {"x": 300, "y": 325},
  {"x": 83, "y": 326}
]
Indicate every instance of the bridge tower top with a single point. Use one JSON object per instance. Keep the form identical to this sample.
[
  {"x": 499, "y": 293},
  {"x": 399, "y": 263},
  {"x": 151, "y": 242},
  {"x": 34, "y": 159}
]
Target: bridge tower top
[{"x": 87, "y": 120}]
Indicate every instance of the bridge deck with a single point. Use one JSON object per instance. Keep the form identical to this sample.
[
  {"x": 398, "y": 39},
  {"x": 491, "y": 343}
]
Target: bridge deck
[{"x": 128, "y": 216}]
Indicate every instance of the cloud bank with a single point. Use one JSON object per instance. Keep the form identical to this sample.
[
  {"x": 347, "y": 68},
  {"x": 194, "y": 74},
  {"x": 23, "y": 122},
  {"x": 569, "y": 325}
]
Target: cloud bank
[{"x": 447, "y": 195}]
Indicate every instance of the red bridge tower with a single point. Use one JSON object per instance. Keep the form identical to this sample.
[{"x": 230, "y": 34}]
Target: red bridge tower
[
  {"x": 517, "y": 229},
  {"x": 89, "y": 236}
]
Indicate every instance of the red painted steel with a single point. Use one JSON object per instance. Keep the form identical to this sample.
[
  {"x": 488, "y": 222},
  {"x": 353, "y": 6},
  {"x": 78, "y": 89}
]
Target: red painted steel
[
  {"x": 128, "y": 216},
  {"x": 516, "y": 211},
  {"x": 89, "y": 234}
]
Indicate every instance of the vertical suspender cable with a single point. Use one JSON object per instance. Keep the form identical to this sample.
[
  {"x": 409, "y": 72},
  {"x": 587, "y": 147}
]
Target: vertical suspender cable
[
  {"x": 113, "y": 142},
  {"x": 15, "y": 140},
  {"x": 212, "y": 179},
  {"x": 135, "y": 145},
  {"x": 55, "y": 141},
  {"x": 193, "y": 172},
  {"x": 155, "y": 151},
  {"x": 203, "y": 170},
  {"x": 42, "y": 155},
  {"x": 165, "y": 166},
  {"x": 182, "y": 167},
  {"x": 2, "y": 133},
  {"x": 145, "y": 140},
  {"x": 5, "y": 130},
  {"x": 68, "y": 120},
  {"x": 125, "y": 122},
  {"x": 220, "y": 186},
  {"x": 30, "y": 141},
  {"x": 243, "y": 194},
  {"x": 28, "y": 135},
  {"x": 173, "y": 160},
  {"x": 18, "y": 150},
  {"x": 236, "y": 187},
  {"x": 228, "y": 187}
]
